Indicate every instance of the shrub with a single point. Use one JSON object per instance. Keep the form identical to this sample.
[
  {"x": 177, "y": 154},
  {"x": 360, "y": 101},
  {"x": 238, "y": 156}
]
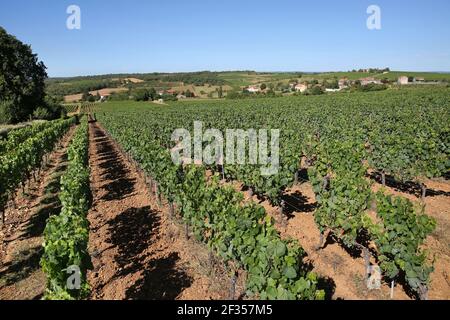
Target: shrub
[
  {"x": 316, "y": 90},
  {"x": 41, "y": 113}
]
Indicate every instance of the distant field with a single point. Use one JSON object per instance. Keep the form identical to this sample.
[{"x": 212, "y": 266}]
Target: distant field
[
  {"x": 102, "y": 92},
  {"x": 203, "y": 83},
  {"x": 394, "y": 75},
  {"x": 243, "y": 79}
]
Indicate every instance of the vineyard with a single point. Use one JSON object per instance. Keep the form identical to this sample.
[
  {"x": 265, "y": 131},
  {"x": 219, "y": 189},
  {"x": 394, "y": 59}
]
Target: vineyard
[{"x": 367, "y": 173}]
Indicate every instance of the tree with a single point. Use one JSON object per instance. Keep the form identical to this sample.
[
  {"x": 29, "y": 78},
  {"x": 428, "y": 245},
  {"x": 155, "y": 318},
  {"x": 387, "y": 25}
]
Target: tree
[
  {"x": 153, "y": 95},
  {"x": 41, "y": 113},
  {"x": 316, "y": 90},
  {"x": 333, "y": 84},
  {"x": 220, "y": 92},
  {"x": 189, "y": 94},
  {"x": 22, "y": 76},
  {"x": 141, "y": 95},
  {"x": 263, "y": 86},
  {"x": 85, "y": 96},
  {"x": 232, "y": 94}
]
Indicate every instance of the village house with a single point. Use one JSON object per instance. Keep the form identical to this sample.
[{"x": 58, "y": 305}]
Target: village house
[
  {"x": 403, "y": 80},
  {"x": 302, "y": 87},
  {"x": 369, "y": 80},
  {"x": 253, "y": 89},
  {"x": 343, "y": 83}
]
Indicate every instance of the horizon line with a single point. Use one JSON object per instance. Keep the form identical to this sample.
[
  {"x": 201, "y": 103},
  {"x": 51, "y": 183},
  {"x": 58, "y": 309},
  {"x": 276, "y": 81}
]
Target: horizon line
[{"x": 229, "y": 71}]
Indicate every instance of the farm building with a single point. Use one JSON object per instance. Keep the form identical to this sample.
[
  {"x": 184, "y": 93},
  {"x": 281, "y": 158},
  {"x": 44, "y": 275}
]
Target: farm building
[
  {"x": 403, "y": 80},
  {"x": 302, "y": 87}
]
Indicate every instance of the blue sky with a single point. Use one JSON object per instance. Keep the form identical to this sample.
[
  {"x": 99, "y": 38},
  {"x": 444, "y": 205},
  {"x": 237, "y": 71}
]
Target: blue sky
[{"x": 190, "y": 35}]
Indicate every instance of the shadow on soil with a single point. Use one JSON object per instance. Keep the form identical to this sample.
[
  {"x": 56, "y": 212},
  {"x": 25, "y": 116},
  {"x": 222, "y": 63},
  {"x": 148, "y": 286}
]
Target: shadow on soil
[
  {"x": 113, "y": 169},
  {"x": 24, "y": 264},
  {"x": 161, "y": 280},
  {"x": 297, "y": 202},
  {"x": 323, "y": 283},
  {"x": 132, "y": 232},
  {"x": 49, "y": 205},
  {"x": 409, "y": 187}
]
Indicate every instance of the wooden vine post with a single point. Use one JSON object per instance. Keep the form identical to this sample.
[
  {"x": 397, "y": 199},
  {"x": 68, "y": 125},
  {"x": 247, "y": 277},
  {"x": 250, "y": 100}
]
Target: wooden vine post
[
  {"x": 424, "y": 191},
  {"x": 281, "y": 211},
  {"x": 233, "y": 286},
  {"x": 2, "y": 210},
  {"x": 321, "y": 236},
  {"x": 326, "y": 182},
  {"x": 171, "y": 209},
  {"x": 186, "y": 231},
  {"x": 157, "y": 194},
  {"x": 366, "y": 262},
  {"x": 150, "y": 186}
]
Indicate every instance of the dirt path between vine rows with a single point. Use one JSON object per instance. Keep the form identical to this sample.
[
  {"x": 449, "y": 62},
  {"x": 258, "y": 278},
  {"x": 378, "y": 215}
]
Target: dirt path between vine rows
[
  {"x": 21, "y": 277},
  {"x": 138, "y": 253}
]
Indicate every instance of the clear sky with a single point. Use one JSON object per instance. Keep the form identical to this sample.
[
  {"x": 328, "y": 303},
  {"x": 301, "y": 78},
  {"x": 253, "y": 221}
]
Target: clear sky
[{"x": 190, "y": 35}]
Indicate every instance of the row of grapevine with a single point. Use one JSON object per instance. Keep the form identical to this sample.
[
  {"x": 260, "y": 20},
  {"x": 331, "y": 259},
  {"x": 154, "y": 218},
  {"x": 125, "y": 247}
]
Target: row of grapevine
[
  {"x": 17, "y": 165},
  {"x": 242, "y": 234},
  {"x": 84, "y": 108},
  {"x": 71, "y": 108},
  {"x": 66, "y": 235},
  {"x": 17, "y": 136},
  {"x": 398, "y": 235}
]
